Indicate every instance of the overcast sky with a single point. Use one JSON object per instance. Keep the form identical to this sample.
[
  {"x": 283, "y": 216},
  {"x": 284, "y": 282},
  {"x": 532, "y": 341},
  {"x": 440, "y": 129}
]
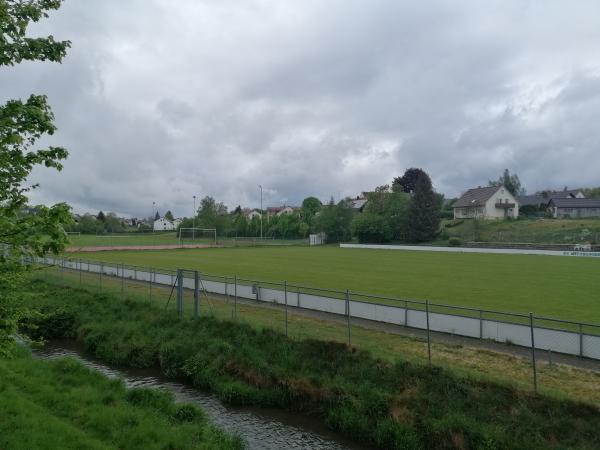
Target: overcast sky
[{"x": 163, "y": 100}]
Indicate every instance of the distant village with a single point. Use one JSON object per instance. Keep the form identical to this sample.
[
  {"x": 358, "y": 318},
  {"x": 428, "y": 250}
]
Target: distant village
[{"x": 486, "y": 203}]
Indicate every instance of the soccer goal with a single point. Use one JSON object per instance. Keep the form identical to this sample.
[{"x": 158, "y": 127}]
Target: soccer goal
[{"x": 197, "y": 236}]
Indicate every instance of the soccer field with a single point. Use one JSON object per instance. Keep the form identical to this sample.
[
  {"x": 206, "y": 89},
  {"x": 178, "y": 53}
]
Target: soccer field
[{"x": 560, "y": 287}]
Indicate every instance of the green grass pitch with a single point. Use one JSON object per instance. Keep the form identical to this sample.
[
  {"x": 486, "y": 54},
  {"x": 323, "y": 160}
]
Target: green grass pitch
[{"x": 560, "y": 287}]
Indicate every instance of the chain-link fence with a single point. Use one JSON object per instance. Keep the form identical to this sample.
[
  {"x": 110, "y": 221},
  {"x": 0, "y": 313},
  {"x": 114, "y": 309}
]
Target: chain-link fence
[{"x": 526, "y": 349}]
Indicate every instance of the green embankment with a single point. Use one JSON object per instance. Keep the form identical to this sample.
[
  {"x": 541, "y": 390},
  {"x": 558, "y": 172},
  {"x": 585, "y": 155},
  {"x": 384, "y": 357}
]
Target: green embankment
[
  {"x": 61, "y": 404},
  {"x": 537, "y": 231},
  {"x": 560, "y": 287},
  {"x": 392, "y": 405}
]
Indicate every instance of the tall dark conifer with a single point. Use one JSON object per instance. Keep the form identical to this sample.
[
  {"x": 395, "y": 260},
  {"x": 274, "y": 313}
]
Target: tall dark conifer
[{"x": 424, "y": 214}]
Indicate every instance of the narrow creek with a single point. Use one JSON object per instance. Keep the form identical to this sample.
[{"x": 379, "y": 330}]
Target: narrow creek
[{"x": 261, "y": 428}]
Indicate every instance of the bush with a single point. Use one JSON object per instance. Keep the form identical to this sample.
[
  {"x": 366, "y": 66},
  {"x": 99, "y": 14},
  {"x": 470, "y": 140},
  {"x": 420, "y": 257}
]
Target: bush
[
  {"x": 371, "y": 228},
  {"x": 454, "y": 223},
  {"x": 454, "y": 242}
]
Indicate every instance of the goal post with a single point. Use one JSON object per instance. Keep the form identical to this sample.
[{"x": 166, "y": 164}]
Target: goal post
[{"x": 197, "y": 236}]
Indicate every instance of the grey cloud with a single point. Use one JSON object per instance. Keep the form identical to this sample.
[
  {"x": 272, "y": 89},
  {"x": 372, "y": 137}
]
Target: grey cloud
[{"x": 159, "y": 101}]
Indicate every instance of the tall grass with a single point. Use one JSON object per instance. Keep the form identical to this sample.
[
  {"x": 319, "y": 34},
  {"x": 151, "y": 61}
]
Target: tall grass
[
  {"x": 61, "y": 404},
  {"x": 392, "y": 405}
]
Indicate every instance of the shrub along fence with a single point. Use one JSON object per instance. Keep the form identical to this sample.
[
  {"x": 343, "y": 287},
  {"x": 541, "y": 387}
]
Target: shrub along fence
[{"x": 524, "y": 330}]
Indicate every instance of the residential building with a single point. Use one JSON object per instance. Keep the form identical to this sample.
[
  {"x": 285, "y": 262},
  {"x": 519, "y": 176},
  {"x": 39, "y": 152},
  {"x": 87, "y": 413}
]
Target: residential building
[
  {"x": 252, "y": 213},
  {"x": 493, "y": 202},
  {"x": 358, "y": 203},
  {"x": 544, "y": 197},
  {"x": 163, "y": 224},
  {"x": 574, "y": 207},
  {"x": 280, "y": 210}
]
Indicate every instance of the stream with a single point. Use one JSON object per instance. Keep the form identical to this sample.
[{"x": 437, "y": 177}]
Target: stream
[{"x": 260, "y": 428}]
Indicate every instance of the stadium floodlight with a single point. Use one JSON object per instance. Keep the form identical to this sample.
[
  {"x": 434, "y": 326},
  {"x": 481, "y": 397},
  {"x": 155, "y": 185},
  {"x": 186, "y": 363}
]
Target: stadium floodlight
[
  {"x": 194, "y": 216},
  {"x": 197, "y": 236},
  {"x": 261, "y": 211}
]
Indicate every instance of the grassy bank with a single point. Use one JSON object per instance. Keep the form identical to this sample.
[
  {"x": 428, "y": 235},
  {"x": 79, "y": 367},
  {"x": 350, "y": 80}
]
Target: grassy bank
[
  {"x": 394, "y": 405},
  {"x": 538, "y": 231},
  {"x": 61, "y": 404},
  {"x": 550, "y": 286}
]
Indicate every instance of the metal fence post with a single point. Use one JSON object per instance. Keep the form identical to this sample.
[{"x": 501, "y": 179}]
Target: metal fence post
[
  {"x": 533, "y": 352},
  {"x": 235, "y": 297},
  {"x": 196, "y": 295},
  {"x": 428, "y": 331},
  {"x": 150, "y": 282},
  {"x": 180, "y": 292},
  {"x": 405, "y": 313},
  {"x": 580, "y": 340},
  {"x": 101, "y": 272},
  {"x": 480, "y": 324},
  {"x": 80, "y": 271},
  {"x": 286, "y": 306},
  {"x": 348, "y": 315},
  {"x": 122, "y": 281}
]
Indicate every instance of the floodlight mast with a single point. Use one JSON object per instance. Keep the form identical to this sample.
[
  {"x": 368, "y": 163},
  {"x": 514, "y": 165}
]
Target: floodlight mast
[
  {"x": 261, "y": 212},
  {"x": 194, "y": 220}
]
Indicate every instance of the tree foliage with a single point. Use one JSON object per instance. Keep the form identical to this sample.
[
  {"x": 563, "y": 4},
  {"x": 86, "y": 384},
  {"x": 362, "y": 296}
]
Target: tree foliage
[
  {"x": 408, "y": 182},
  {"x": 393, "y": 207},
  {"x": 335, "y": 220},
  {"x": 510, "y": 182},
  {"x": 25, "y": 232},
  {"x": 371, "y": 228},
  {"x": 169, "y": 216},
  {"x": 424, "y": 213}
]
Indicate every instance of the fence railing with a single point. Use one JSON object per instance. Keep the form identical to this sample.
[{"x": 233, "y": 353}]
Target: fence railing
[{"x": 545, "y": 333}]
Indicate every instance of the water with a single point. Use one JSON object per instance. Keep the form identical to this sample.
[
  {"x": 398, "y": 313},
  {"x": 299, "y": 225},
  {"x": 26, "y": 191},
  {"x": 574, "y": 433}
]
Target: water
[{"x": 264, "y": 429}]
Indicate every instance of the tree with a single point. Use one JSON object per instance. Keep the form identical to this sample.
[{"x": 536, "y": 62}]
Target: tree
[
  {"x": 407, "y": 182},
  {"x": 371, "y": 228},
  {"x": 212, "y": 214},
  {"x": 393, "y": 207},
  {"x": 101, "y": 216},
  {"x": 112, "y": 224},
  {"x": 334, "y": 220},
  {"x": 23, "y": 232},
  {"x": 592, "y": 192},
  {"x": 424, "y": 213},
  {"x": 88, "y": 224},
  {"x": 157, "y": 216},
  {"x": 510, "y": 182},
  {"x": 169, "y": 216}
]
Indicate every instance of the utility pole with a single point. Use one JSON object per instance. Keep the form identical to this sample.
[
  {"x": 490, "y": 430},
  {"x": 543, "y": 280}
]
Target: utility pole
[
  {"x": 194, "y": 220},
  {"x": 261, "y": 213}
]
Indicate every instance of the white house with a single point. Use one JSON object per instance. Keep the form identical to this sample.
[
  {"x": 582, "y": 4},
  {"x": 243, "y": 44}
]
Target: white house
[
  {"x": 163, "y": 224},
  {"x": 252, "y": 214},
  {"x": 494, "y": 202},
  {"x": 280, "y": 210},
  {"x": 176, "y": 223}
]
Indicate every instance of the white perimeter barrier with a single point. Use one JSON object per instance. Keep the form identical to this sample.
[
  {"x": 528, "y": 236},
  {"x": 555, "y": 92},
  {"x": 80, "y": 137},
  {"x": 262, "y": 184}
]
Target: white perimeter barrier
[
  {"x": 506, "y": 251},
  {"x": 577, "y": 343}
]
